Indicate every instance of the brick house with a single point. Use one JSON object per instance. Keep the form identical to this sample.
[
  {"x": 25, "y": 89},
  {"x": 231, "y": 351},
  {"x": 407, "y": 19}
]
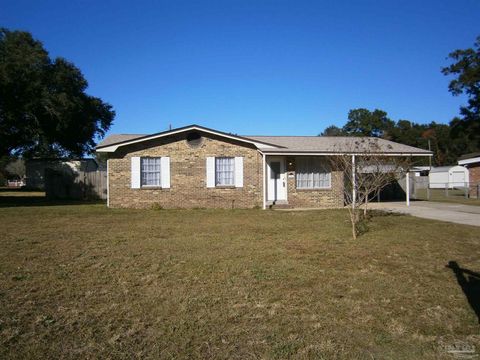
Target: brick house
[
  {"x": 472, "y": 163},
  {"x": 194, "y": 166}
]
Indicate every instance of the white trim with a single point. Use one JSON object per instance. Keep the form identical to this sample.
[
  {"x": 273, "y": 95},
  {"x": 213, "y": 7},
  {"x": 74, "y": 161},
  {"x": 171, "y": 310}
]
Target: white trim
[
  {"x": 469, "y": 161},
  {"x": 108, "y": 185},
  {"x": 264, "y": 161},
  {"x": 114, "y": 147}
]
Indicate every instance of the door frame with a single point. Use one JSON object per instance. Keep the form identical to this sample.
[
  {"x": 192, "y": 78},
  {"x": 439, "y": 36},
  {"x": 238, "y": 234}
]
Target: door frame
[{"x": 283, "y": 176}]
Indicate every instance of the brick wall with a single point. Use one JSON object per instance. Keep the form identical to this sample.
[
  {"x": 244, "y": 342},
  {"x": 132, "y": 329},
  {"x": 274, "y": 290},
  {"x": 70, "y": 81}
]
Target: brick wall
[
  {"x": 188, "y": 178},
  {"x": 187, "y": 175},
  {"x": 474, "y": 174}
]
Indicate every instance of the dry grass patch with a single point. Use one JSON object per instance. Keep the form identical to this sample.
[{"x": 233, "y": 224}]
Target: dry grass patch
[{"x": 87, "y": 282}]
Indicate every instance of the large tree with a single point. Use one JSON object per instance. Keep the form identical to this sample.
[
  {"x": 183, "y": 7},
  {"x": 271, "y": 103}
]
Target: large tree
[
  {"x": 466, "y": 69},
  {"x": 44, "y": 109},
  {"x": 332, "y": 130},
  {"x": 363, "y": 122}
]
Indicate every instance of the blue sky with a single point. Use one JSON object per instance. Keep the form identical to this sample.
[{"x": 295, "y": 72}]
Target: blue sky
[{"x": 256, "y": 67}]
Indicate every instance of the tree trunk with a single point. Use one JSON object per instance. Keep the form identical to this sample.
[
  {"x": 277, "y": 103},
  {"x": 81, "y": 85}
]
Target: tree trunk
[
  {"x": 366, "y": 205},
  {"x": 354, "y": 228},
  {"x": 353, "y": 219}
]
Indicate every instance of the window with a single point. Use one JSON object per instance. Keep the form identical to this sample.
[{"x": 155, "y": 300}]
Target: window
[
  {"x": 224, "y": 171},
  {"x": 312, "y": 173},
  {"x": 150, "y": 171}
]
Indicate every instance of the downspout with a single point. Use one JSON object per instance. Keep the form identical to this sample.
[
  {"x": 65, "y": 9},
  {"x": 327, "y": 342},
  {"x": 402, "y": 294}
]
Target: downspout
[{"x": 407, "y": 188}]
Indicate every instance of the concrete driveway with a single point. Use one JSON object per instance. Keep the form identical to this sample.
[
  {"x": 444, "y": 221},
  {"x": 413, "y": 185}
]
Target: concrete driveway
[{"x": 455, "y": 213}]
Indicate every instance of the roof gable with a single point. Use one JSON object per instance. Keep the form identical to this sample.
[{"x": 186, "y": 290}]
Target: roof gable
[{"x": 113, "y": 142}]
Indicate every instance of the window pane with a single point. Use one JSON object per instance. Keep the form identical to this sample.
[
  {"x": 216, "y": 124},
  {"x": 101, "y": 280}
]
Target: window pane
[
  {"x": 225, "y": 171},
  {"x": 150, "y": 171},
  {"x": 312, "y": 173}
]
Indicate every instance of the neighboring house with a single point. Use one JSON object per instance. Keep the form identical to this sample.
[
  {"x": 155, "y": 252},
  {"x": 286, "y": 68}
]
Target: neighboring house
[
  {"x": 472, "y": 162},
  {"x": 420, "y": 170},
  {"x": 35, "y": 169},
  {"x": 195, "y": 166},
  {"x": 15, "y": 183},
  {"x": 448, "y": 177}
]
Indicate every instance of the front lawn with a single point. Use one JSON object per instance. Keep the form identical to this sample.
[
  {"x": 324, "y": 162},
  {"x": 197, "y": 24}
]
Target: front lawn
[{"x": 82, "y": 281}]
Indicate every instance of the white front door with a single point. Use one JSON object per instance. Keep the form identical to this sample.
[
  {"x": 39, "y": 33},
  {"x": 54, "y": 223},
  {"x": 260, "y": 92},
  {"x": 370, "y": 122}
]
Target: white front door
[{"x": 276, "y": 180}]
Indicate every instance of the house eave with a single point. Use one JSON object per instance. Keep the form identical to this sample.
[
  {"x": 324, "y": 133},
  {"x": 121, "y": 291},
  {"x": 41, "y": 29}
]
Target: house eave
[
  {"x": 469, "y": 161},
  {"x": 326, "y": 153}
]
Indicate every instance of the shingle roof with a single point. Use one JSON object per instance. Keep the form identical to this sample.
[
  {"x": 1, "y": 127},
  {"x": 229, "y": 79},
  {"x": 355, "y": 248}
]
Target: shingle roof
[
  {"x": 116, "y": 138},
  {"x": 469, "y": 156},
  {"x": 336, "y": 144},
  {"x": 444, "y": 168},
  {"x": 299, "y": 144}
]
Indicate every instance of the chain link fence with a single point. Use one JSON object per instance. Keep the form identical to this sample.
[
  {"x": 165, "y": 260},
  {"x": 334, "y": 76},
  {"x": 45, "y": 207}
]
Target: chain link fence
[{"x": 421, "y": 189}]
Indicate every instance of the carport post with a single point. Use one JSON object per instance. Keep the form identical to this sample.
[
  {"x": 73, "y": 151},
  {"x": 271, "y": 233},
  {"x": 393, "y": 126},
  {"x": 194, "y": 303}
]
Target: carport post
[
  {"x": 108, "y": 185},
  {"x": 354, "y": 183},
  {"x": 264, "y": 160},
  {"x": 407, "y": 188}
]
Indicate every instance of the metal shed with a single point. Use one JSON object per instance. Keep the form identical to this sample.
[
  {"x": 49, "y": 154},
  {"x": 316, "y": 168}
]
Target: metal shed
[{"x": 448, "y": 177}]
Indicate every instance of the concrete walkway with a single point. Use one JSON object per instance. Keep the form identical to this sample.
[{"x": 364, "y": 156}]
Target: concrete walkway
[{"x": 455, "y": 213}]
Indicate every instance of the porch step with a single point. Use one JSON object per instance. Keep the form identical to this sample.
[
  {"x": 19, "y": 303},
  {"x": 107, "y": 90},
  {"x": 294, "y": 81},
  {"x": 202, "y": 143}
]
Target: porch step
[{"x": 280, "y": 204}]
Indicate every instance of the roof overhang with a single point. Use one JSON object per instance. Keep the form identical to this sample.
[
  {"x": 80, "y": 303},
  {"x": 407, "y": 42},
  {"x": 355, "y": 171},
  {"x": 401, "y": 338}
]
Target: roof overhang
[
  {"x": 469, "y": 161},
  {"x": 313, "y": 153},
  {"x": 113, "y": 147}
]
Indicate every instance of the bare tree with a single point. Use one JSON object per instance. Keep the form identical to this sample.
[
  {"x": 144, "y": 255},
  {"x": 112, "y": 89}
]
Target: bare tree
[
  {"x": 16, "y": 168},
  {"x": 366, "y": 170},
  {"x": 375, "y": 172},
  {"x": 346, "y": 163}
]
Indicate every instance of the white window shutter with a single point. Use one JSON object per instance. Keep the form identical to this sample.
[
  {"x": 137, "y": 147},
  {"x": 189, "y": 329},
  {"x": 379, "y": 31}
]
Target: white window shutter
[
  {"x": 135, "y": 173},
  {"x": 165, "y": 172},
  {"x": 239, "y": 172},
  {"x": 210, "y": 172}
]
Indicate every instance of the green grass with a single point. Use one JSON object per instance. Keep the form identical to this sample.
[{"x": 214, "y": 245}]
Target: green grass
[
  {"x": 82, "y": 281},
  {"x": 456, "y": 196}
]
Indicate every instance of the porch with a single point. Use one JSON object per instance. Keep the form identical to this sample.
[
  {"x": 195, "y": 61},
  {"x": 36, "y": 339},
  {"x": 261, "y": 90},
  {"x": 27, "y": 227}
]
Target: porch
[
  {"x": 307, "y": 181},
  {"x": 301, "y": 182}
]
